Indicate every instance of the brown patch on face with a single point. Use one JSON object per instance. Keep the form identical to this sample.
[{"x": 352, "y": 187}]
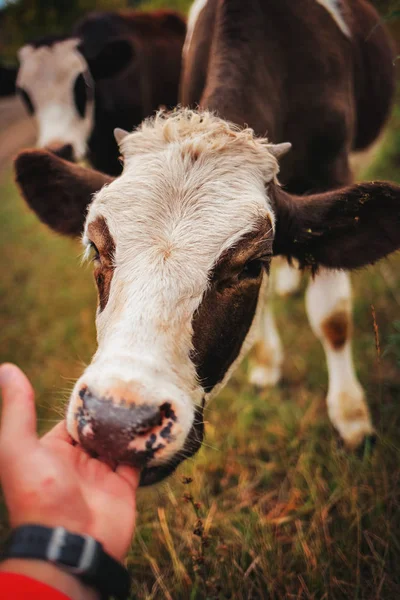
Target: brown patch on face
[
  {"x": 337, "y": 328},
  {"x": 100, "y": 235},
  {"x": 226, "y": 313}
]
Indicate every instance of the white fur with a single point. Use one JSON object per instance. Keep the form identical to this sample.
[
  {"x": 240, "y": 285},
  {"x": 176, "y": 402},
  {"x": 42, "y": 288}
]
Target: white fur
[
  {"x": 48, "y": 74},
  {"x": 191, "y": 188},
  {"x": 195, "y": 11},
  {"x": 328, "y": 293},
  {"x": 267, "y": 373},
  {"x": 334, "y": 9},
  {"x": 287, "y": 278}
]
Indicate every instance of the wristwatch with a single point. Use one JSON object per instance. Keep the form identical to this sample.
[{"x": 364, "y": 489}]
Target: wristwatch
[{"x": 79, "y": 555}]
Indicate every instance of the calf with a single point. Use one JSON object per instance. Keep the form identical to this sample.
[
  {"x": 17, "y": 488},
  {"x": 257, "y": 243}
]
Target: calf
[
  {"x": 182, "y": 241},
  {"x": 319, "y": 73},
  {"x": 114, "y": 70}
]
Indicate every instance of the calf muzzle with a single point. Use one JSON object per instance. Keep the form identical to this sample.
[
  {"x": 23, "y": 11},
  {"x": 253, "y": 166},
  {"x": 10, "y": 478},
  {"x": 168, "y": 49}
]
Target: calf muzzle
[{"x": 128, "y": 431}]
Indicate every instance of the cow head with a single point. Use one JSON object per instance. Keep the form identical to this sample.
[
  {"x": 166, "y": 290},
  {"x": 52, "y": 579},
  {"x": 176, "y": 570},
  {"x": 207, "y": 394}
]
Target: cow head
[
  {"x": 56, "y": 81},
  {"x": 181, "y": 245}
]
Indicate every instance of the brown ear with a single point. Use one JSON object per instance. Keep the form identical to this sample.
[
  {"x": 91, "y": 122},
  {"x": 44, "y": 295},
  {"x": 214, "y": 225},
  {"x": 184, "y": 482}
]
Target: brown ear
[
  {"x": 342, "y": 229},
  {"x": 58, "y": 191}
]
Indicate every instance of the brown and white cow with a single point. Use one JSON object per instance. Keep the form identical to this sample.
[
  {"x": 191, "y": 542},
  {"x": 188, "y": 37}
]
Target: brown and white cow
[
  {"x": 182, "y": 241},
  {"x": 114, "y": 70}
]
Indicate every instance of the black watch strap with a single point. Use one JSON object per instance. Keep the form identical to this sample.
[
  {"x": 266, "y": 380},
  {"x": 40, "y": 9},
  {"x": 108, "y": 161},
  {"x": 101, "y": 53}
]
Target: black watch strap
[{"x": 80, "y": 555}]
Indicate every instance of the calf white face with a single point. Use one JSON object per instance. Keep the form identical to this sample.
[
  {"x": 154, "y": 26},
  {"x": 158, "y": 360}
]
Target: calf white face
[
  {"x": 56, "y": 86},
  {"x": 185, "y": 226}
]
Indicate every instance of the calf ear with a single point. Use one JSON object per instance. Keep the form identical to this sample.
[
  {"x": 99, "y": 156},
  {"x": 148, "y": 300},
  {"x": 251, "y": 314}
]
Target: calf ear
[
  {"x": 342, "y": 229},
  {"x": 58, "y": 191}
]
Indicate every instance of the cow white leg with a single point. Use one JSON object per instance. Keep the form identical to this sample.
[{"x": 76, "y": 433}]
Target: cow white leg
[
  {"x": 267, "y": 356},
  {"x": 329, "y": 309},
  {"x": 287, "y": 278}
]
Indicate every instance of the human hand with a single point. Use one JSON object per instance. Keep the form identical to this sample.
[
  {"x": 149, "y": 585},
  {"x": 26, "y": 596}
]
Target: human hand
[{"x": 51, "y": 482}]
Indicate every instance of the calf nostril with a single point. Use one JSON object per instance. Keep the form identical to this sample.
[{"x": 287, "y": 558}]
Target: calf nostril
[
  {"x": 124, "y": 431},
  {"x": 167, "y": 411}
]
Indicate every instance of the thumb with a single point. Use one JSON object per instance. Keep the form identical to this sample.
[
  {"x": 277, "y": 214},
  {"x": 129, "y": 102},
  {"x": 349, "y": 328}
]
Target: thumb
[{"x": 18, "y": 418}]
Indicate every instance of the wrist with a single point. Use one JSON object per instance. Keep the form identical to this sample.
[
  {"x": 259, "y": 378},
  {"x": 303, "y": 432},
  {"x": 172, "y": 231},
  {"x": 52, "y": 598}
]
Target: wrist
[{"x": 50, "y": 575}]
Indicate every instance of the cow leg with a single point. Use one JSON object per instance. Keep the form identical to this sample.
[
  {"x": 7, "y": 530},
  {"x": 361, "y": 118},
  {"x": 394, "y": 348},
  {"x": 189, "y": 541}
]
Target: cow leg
[
  {"x": 287, "y": 278},
  {"x": 267, "y": 356},
  {"x": 329, "y": 309}
]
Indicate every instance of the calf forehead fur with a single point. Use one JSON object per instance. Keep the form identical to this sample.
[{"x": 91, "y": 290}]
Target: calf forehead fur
[{"x": 192, "y": 186}]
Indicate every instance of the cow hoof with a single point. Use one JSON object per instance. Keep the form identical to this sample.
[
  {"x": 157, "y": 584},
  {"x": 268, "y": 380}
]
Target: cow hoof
[
  {"x": 262, "y": 377},
  {"x": 362, "y": 435},
  {"x": 350, "y": 416}
]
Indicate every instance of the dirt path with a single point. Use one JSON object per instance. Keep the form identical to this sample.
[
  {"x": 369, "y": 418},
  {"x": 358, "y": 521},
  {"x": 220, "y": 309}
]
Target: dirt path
[{"x": 17, "y": 131}]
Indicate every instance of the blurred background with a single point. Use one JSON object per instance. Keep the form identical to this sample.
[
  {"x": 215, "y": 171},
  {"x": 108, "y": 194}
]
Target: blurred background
[
  {"x": 23, "y": 20},
  {"x": 272, "y": 506}
]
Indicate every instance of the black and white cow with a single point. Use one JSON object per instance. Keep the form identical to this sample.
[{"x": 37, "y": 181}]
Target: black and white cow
[
  {"x": 183, "y": 240},
  {"x": 114, "y": 70}
]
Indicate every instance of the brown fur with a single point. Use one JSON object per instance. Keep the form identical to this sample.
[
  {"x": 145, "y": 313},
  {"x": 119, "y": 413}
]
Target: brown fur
[
  {"x": 342, "y": 229},
  {"x": 285, "y": 68},
  {"x": 135, "y": 60},
  {"x": 58, "y": 191},
  {"x": 100, "y": 235},
  {"x": 228, "y": 307},
  {"x": 337, "y": 329}
]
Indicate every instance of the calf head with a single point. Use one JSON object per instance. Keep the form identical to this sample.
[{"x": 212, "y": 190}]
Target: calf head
[
  {"x": 181, "y": 244},
  {"x": 56, "y": 81}
]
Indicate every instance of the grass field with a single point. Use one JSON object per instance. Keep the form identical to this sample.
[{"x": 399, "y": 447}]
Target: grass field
[{"x": 275, "y": 508}]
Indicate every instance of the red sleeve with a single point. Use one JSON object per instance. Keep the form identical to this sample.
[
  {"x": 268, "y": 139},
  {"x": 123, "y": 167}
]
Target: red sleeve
[{"x": 20, "y": 587}]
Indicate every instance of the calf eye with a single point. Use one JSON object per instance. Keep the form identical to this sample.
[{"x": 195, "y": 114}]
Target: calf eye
[
  {"x": 80, "y": 94},
  {"x": 26, "y": 100},
  {"x": 251, "y": 270},
  {"x": 94, "y": 253}
]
